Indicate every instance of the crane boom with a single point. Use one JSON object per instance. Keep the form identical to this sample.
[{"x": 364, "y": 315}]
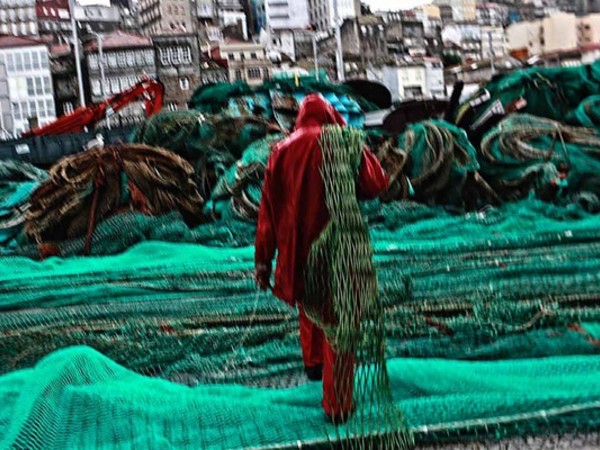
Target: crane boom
[{"x": 150, "y": 91}]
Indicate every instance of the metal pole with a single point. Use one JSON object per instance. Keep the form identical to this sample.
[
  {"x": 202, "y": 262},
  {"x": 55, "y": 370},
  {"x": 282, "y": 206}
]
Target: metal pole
[
  {"x": 102, "y": 78},
  {"x": 77, "y": 57},
  {"x": 492, "y": 54},
  {"x": 315, "y": 54},
  {"x": 338, "y": 40}
]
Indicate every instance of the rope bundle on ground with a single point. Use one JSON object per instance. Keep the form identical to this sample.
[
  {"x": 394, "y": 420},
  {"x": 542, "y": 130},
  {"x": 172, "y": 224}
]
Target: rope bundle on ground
[
  {"x": 433, "y": 162},
  {"x": 86, "y": 188},
  {"x": 526, "y": 153},
  {"x": 211, "y": 144}
]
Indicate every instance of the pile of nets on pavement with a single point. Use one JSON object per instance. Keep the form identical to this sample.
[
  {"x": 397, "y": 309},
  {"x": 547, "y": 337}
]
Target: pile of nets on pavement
[
  {"x": 17, "y": 182},
  {"x": 561, "y": 94},
  {"x": 277, "y": 100},
  {"x": 516, "y": 285},
  {"x": 488, "y": 260},
  {"x": 88, "y": 187}
]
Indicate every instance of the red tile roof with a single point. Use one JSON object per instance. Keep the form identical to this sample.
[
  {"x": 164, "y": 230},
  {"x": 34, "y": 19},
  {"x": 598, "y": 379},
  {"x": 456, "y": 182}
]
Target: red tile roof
[
  {"x": 10, "y": 41},
  {"x": 119, "y": 39},
  {"x": 60, "y": 49}
]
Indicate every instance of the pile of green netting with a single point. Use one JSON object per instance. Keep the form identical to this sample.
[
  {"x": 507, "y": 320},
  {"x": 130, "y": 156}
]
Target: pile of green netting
[
  {"x": 516, "y": 286},
  {"x": 18, "y": 181},
  {"x": 278, "y": 99},
  {"x": 488, "y": 264},
  {"x": 558, "y": 93},
  {"x": 78, "y": 399}
]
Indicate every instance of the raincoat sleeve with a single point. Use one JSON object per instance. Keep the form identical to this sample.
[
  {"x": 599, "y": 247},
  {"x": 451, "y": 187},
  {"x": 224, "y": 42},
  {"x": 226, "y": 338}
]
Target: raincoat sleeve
[
  {"x": 372, "y": 180},
  {"x": 266, "y": 243}
]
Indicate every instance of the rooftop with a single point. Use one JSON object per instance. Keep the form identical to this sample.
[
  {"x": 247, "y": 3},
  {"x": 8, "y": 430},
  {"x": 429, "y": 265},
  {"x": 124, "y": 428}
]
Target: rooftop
[
  {"x": 119, "y": 39},
  {"x": 9, "y": 41}
]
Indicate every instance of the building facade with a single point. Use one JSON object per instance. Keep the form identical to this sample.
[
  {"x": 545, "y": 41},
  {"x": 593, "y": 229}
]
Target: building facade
[
  {"x": 322, "y": 14},
  {"x": 418, "y": 79},
  {"x": 127, "y": 57},
  {"x": 492, "y": 14},
  {"x": 555, "y": 33},
  {"x": 53, "y": 17},
  {"x": 245, "y": 61},
  {"x": 493, "y": 42},
  {"x": 462, "y": 10},
  {"x": 588, "y": 30},
  {"x": 6, "y": 118},
  {"x": 64, "y": 79},
  {"x": 29, "y": 82},
  {"x": 287, "y": 14},
  {"x": 17, "y": 17},
  {"x": 232, "y": 18},
  {"x": 177, "y": 67},
  {"x": 166, "y": 17},
  {"x": 99, "y": 18}
]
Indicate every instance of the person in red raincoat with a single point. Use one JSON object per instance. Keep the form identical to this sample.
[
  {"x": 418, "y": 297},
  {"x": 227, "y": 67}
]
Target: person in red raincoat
[{"x": 292, "y": 215}]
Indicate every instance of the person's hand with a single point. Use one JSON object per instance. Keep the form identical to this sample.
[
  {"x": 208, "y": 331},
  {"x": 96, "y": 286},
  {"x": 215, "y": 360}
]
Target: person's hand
[{"x": 262, "y": 276}]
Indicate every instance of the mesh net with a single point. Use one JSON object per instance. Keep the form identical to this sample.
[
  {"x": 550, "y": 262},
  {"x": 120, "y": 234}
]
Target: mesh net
[{"x": 492, "y": 317}]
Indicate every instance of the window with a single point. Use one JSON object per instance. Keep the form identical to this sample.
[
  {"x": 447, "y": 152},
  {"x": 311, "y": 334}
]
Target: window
[
  {"x": 44, "y": 59},
  {"x": 175, "y": 55},
  {"x": 32, "y": 111},
  {"x": 93, "y": 62},
  {"x": 17, "y": 111},
  {"x": 130, "y": 59},
  {"x": 18, "y": 62},
  {"x": 96, "y": 87},
  {"x": 27, "y": 61},
  {"x": 187, "y": 55},
  {"x": 139, "y": 58},
  {"x": 30, "y": 87},
  {"x": 49, "y": 108},
  {"x": 238, "y": 75},
  {"x": 35, "y": 60},
  {"x": 253, "y": 55},
  {"x": 112, "y": 60},
  {"x": 40, "y": 109},
  {"x": 230, "y": 56},
  {"x": 39, "y": 86},
  {"x": 68, "y": 108},
  {"x": 114, "y": 85},
  {"x": 172, "y": 106},
  {"x": 122, "y": 60},
  {"x": 254, "y": 73},
  {"x": 184, "y": 84},
  {"x": 47, "y": 86},
  {"x": 149, "y": 57},
  {"x": 10, "y": 63},
  {"x": 163, "y": 54}
]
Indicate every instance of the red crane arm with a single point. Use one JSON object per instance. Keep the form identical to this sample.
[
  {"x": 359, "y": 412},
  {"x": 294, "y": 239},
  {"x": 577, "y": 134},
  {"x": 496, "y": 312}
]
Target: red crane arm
[{"x": 150, "y": 91}]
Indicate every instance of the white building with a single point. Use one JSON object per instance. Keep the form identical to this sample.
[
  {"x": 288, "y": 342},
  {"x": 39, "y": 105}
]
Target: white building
[
  {"x": 412, "y": 80},
  {"x": 18, "y": 17},
  {"x": 287, "y": 14},
  {"x": 322, "y": 14},
  {"x": 6, "y": 119},
  {"x": 493, "y": 42},
  {"x": 228, "y": 17},
  {"x": 555, "y": 33},
  {"x": 29, "y": 81}
]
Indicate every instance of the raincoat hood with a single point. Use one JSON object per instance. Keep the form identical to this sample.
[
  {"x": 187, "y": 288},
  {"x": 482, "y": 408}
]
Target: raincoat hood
[{"x": 316, "y": 111}]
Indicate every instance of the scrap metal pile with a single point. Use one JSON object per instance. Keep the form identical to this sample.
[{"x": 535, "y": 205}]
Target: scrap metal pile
[{"x": 487, "y": 247}]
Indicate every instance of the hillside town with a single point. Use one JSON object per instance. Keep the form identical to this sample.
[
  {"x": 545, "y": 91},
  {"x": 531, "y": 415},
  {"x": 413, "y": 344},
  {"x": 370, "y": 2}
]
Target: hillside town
[{"x": 416, "y": 53}]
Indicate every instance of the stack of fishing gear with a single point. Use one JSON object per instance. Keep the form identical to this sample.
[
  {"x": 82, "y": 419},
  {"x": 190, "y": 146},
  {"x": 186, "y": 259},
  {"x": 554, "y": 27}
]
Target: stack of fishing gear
[{"x": 86, "y": 188}]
